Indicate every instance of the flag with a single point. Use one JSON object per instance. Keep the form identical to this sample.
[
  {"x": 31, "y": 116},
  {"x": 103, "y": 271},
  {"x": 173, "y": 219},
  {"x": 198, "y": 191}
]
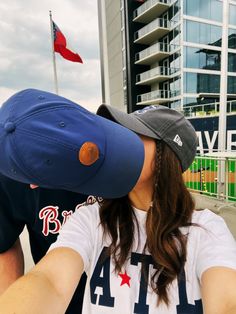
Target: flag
[{"x": 60, "y": 45}]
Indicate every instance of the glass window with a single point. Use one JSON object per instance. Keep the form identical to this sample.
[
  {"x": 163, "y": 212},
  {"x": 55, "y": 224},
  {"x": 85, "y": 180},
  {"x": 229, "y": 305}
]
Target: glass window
[
  {"x": 216, "y": 10},
  {"x": 174, "y": 10},
  {"x": 232, "y": 14},
  {"x": 174, "y": 60},
  {"x": 175, "y": 105},
  {"x": 191, "y": 58},
  {"x": 191, "y": 31},
  {"x": 175, "y": 85},
  {"x": 174, "y": 36},
  {"x": 190, "y": 83},
  {"x": 201, "y": 83},
  {"x": 216, "y": 35},
  {"x": 202, "y": 58},
  {"x": 232, "y": 38},
  {"x": 190, "y": 101},
  {"x": 232, "y": 62},
  {"x": 193, "y": 101},
  {"x": 207, "y": 9},
  {"x": 202, "y": 33},
  {"x": 231, "y": 84},
  {"x": 191, "y": 7}
]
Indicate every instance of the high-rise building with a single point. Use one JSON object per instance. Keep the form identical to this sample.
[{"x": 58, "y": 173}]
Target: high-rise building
[{"x": 177, "y": 53}]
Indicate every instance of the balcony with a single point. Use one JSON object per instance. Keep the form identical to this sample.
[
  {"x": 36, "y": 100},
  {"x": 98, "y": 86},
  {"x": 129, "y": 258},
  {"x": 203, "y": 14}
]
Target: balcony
[
  {"x": 206, "y": 110},
  {"x": 157, "y": 97},
  {"x": 152, "y": 31},
  {"x": 158, "y": 74},
  {"x": 154, "y": 53},
  {"x": 150, "y": 10}
]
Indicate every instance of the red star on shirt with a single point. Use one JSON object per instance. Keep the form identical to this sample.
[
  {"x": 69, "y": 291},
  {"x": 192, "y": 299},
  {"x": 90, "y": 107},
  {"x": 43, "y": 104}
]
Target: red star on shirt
[{"x": 125, "y": 279}]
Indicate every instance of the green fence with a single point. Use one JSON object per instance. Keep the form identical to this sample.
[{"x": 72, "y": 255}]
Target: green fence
[{"x": 215, "y": 177}]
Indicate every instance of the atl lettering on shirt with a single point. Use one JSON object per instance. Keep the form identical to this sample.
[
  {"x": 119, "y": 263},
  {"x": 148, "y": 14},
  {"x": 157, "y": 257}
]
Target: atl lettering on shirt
[
  {"x": 101, "y": 279},
  {"x": 209, "y": 244}
]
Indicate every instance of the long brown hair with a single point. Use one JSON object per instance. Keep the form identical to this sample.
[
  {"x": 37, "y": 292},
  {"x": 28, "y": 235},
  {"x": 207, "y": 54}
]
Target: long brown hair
[{"x": 171, "y": 209}]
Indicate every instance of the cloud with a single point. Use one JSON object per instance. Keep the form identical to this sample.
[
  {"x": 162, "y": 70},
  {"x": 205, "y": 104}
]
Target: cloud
[{"x": 26, "y": 55}]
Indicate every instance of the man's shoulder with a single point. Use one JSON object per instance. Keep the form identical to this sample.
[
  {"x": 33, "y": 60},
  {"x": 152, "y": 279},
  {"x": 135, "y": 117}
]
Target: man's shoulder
[
  {"x": 19, "y": 199},
  {"x": 7, "y": 182},
  {"x": 14, "y": 188}
]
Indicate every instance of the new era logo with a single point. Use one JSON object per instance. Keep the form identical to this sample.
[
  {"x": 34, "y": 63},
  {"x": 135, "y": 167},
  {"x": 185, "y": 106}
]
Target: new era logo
[{"x": 177, "y": 140}]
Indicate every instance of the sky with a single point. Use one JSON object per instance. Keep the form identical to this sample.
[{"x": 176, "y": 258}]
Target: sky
[{"x": 26, "y": 49}]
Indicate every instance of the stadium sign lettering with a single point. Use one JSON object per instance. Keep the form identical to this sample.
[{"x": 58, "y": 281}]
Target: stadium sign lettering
[{"x": 208, "y": 141}]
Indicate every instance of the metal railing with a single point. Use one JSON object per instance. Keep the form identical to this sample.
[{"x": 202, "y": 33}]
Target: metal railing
[
  {"x": 208, "y": 109},
  {"x": 213, "y": 176},
  {"x": 157, "y": 23},
  {"x": 158, "y": 71},
  {"x": 157, "y": 94},
  {"x": 158, "y": 47},
  {"x": 147, "y": 5}
]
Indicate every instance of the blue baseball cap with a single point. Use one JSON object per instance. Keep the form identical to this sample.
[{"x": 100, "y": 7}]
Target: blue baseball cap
[{"x": 52, "y": 142}]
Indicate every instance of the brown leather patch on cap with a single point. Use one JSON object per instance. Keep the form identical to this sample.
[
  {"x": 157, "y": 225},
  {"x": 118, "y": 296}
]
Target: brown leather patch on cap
[{"x": 88, "y": 153}]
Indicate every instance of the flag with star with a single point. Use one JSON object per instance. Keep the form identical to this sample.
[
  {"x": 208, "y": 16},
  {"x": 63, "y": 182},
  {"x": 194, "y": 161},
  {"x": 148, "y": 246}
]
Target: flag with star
[{"x": 60, "y": 45}]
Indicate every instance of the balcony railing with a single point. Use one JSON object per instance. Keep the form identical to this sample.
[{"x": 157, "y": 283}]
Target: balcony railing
[
  {"x": 156, "y": 96},
  {"x": 151, "y": 9},
  {"x": 155, "y": 52},
  {"x": 156, "y": 74},
  {"x": 206, "y": 110},
  {"x": 152, "y": 31}
]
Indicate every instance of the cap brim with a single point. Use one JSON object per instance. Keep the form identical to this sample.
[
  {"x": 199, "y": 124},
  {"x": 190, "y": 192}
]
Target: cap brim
[
  {"x": 127, "y": 120},
  {"x": 122, "y": 165}
]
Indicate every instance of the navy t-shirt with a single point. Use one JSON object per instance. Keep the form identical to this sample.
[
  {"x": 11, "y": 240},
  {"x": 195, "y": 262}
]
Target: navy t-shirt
[{"x": 43, "y": 211}]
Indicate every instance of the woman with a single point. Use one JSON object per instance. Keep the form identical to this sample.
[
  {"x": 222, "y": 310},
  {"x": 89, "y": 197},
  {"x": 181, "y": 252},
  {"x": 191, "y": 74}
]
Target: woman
[{"x": 146, "y": 252}]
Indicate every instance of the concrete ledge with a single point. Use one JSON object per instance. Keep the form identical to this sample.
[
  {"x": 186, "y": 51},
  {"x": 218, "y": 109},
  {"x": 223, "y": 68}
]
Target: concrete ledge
[
  {"x": 227, "y": 210},
  {"x": 203, "y": 201}
]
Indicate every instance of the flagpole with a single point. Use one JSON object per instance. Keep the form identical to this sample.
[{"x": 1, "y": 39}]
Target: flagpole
[{"x": 53, "y": 54}]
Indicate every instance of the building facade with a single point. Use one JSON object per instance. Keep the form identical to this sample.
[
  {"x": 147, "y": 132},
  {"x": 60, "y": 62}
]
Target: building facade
[{"x": 178, "y": 53}]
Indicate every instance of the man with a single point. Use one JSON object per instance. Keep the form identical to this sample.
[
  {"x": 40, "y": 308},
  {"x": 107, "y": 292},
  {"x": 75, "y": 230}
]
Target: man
[{"x": 43, "y": 212}]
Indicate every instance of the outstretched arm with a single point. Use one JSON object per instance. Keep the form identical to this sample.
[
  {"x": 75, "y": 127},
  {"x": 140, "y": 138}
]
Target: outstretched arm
[
  {"x": 219, "y": 290},
  {"x": 11, "y": 266},
  {"x": 48, "y": 287}
]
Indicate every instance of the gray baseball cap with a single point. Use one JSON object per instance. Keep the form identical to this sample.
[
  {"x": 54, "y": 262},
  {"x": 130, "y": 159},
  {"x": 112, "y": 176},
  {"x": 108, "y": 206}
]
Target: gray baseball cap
[{"x": 162, "y": 123}]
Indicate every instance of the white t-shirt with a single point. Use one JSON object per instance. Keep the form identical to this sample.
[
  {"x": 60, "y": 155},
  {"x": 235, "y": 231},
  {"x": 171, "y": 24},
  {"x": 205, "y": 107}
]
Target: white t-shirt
[{"x": 128, "y": 292}]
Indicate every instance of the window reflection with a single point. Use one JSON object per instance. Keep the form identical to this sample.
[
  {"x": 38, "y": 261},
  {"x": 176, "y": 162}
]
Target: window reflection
[
  {"x": 232, "y": 62},
  {"x": 232, "y": 14},
  {"x": 201, "y": 83},
  {"x": 207, "y": 9},
  {"x": 202, "y": 33},
  {"x": 231, "y": 84},
  {"x": 202, "y": 58},
  {"x": 232, "y": 38}
]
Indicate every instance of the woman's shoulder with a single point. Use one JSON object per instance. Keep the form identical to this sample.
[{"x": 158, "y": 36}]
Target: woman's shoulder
[
  {"x": 211, "y": 243},
  {"x": 205, "y": 216},
  {"x": 90, "y": 207},
  {"x": 211, "y": 225}
]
